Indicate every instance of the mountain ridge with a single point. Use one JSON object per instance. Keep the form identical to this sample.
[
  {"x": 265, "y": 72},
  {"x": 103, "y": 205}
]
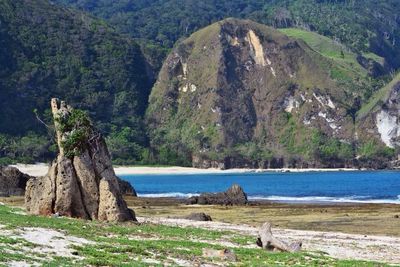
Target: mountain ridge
[{"x": 238, "y": 90}]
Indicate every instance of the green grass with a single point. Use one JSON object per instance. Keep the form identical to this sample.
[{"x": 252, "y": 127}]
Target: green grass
[
  {"x": 130, "y": 244},
  {"x": 375, "y": 57},
  {"x": 380, "y": 96},
  {"x": 347, "y": 61},
  {"x": 319, "y": 43}
]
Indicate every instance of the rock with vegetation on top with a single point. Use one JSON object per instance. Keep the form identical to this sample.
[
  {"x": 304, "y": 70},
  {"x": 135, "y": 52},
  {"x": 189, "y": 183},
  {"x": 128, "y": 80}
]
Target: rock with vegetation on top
[
  {"x": 81, "y": 182},
  {"x": 233, "y": 196},
  {"x": 12, "y": 182}
]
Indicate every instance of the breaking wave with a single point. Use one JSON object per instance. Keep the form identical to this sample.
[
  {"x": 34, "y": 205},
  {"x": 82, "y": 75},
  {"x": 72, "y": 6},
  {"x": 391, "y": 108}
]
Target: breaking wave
[
  {"x": 172, "y": 194},
  {"x": 288, "y": 199},
  {"x": 316, "y": 199}
]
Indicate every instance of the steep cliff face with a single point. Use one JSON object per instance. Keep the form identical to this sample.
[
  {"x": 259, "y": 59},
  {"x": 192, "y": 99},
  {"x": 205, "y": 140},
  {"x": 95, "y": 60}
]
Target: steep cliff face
[
  {"x": 238, "y": 93},
  {"x": 379, "y": 122}
]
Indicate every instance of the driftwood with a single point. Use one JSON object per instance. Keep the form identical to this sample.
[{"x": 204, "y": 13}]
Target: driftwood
[{"x": 268, "y": 242}]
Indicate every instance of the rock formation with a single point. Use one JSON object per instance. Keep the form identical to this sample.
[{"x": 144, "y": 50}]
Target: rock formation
[
  {"x": 233, "y": 196},
  {"x": 126, "y": 188},
  {"x": 12, "y": 182},
  {"x": 199, "y": 216},
  {"x": 380, "y": 122},
  {"x": 81, "y": 181}
]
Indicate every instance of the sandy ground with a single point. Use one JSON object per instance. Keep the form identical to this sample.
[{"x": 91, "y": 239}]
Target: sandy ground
[
  {"x": 47, "y": 243},
  {"x": 337, "y": 245},
  {"x": 41, "y": 169}
]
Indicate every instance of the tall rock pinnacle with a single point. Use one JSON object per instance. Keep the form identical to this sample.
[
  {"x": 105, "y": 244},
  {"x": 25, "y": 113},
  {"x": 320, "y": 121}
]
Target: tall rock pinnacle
[{"x": 81, "y": 182}]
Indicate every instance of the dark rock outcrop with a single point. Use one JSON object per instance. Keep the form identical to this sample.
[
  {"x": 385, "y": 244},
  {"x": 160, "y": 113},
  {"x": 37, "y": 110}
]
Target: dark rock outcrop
[
  {"x": 201, "y": 216},
  {"x": 126, "y": 188},
  {"x": 81, "y": 181},
  {"x": 233, "y": 196},
  {"x": 12, "y": 182}
]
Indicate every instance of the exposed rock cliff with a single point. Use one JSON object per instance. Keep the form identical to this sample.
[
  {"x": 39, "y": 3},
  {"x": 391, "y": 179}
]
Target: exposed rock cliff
[
  {"x": 12, "y": 182},
  {"x": 379, "y": 123},
  {"x": 240, "y": 94},
  {"x": 81, "y": 181}
]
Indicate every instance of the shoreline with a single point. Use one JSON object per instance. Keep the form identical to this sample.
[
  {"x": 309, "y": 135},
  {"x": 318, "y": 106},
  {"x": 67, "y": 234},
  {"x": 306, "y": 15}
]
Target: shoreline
[
  {"x": 41, "y": 169},
  {"x": 318, "y": 201}
]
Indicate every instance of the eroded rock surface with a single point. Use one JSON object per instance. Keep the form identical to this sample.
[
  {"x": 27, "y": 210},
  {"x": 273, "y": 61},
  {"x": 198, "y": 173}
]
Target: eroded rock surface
[
  {"x": 81, "y": 181},
  {"x": 233, "y": 196}
]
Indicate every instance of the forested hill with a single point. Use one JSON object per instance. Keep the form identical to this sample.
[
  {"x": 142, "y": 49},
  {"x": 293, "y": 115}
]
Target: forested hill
[
  {"x": 364, "y": 26},
  {"x": 50, "y": 51},
  {"x": 102, "y": 56}
]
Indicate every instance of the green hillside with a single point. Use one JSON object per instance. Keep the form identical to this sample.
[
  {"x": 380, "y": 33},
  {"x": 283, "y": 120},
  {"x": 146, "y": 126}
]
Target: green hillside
[
  {"x": 48, "y": 51},
  {"x": 328, "y": 48},
  {"x": 379, "y": 97},
  {"x": 241, "y": 94},
  {"x": 103, "y": 57}
]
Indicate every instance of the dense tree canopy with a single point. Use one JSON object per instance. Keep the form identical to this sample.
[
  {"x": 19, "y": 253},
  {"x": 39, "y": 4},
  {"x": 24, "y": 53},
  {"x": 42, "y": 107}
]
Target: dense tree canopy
[
  {"x": 48, "y": 51},
  {"x": 363, "y": 25}
]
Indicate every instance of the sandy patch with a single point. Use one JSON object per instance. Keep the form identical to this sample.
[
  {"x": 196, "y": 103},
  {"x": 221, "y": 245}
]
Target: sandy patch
[
  {"x": 337, "y": 245},
  {"x": 38, "y": 169},
  {"x": 47, "y": 241},
  {"x": 41, "y": 169},
  {"x": 20, "y": 264},
  {"x": 51, "y": 241}
]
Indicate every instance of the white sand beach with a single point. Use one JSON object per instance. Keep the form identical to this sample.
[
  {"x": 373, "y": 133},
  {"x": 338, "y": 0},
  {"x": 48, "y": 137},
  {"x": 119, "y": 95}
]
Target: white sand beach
[{"x": 40, "y": 169}]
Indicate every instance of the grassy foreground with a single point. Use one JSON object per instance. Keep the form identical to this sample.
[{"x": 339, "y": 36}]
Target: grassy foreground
[{"x": 131, "y": 244}]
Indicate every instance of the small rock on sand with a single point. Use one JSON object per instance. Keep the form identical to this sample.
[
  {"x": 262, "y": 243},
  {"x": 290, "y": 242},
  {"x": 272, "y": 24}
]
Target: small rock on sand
[{"x": 199, "y": 217}]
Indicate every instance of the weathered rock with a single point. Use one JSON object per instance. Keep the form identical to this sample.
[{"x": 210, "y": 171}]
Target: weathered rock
[
  {"x": 233, "y": 196},
  {"x": 126, "y": 188},
  {"x": 12, "y": 182},
  {"x": 81, "y": 181},
  {"x": 202, "y": 217}
]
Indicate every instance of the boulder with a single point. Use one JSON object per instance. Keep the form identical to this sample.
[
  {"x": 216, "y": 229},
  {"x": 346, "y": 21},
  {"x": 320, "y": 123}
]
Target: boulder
[
  {"x": 12, "y": 182},
  {"x": 202, "y": 217},
  {"x": 126, "y": 188},
  {"x": 81, "y": 181},
  {"x": 233, "y": 196}
]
